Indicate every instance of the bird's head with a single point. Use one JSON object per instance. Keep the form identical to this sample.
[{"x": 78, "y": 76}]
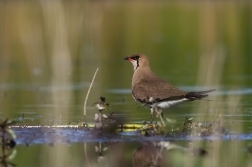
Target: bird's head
[{"x": 138, "y": 60}]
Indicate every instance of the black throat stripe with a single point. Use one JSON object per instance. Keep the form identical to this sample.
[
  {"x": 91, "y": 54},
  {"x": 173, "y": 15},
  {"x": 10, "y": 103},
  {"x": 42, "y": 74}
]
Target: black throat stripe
[{"x": 137, "y": 64}]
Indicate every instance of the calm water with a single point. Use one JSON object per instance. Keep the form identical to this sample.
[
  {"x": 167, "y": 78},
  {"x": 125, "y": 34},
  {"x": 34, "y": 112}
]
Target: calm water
[{"x": 49, "y": 52}]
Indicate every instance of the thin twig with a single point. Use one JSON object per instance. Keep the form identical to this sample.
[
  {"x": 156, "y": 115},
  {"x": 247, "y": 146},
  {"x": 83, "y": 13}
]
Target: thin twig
[
  {"x": 86, "y": 156},
  {"x": 85, "y": 103}
]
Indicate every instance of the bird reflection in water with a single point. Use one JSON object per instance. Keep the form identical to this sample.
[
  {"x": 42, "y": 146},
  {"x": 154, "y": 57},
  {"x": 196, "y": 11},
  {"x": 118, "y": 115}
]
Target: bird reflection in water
[{"x": 156, "y": 154}]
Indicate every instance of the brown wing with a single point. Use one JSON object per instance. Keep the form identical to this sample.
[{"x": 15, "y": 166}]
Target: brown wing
[{"x": 158, "y": 89}]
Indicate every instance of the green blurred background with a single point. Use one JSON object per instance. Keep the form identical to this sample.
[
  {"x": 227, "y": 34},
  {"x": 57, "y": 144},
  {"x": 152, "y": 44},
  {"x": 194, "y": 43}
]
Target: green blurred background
[{"x": 49, "y": 52}]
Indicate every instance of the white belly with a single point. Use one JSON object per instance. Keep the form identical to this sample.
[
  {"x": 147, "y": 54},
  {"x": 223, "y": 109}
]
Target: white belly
[{"x": 168, "y": 104}]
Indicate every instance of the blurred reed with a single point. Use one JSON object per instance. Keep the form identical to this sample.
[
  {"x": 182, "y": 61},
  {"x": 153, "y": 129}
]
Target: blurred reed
[{"x": 54, "y": 17}]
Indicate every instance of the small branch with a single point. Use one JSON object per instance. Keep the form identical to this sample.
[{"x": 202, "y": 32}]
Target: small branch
[
  {"x": 86, "y": 156},
  {"x": 85, "y": 103}
]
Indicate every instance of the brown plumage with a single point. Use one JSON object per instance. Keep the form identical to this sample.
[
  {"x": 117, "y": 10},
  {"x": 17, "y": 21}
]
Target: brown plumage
[
  {"x": 145, "y": 84},
  {"x": 155, "y": 92}
]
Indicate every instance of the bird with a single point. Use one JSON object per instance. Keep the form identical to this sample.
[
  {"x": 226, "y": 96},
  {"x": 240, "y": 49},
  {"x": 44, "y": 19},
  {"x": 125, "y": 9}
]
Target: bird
[
  {"x": 156, "y": 93},
  {"x": 101, "y": 105}
]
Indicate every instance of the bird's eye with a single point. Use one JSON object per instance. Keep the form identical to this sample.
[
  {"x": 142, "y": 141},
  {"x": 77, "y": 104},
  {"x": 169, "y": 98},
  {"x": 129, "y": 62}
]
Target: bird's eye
[{"x": 136, "y": 58}]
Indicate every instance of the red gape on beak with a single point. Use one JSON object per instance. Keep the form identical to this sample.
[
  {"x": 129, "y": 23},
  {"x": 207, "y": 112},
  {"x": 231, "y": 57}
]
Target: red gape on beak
[{"x": 128, "y": 58}]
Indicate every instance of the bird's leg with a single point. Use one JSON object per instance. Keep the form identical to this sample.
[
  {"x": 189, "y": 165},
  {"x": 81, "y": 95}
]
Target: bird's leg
[
  {"x": 151, "y": 114},
  {"x": 160, "y": 114}
]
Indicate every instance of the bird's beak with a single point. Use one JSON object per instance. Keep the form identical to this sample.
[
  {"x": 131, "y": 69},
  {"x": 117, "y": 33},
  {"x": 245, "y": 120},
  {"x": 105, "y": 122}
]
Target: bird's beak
[{"x": 127, "y": 58}]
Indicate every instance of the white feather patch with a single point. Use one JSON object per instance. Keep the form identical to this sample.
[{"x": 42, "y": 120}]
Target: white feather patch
[
  {"x": 150, "y": 99},
  {"x": 168, "y": 104}
]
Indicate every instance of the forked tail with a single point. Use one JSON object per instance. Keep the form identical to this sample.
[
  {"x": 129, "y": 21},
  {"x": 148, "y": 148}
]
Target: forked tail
[{"x": 198, "y": 95}]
